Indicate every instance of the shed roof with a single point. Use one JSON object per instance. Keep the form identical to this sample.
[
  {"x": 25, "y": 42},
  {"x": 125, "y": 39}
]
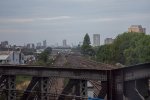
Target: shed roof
[{"x": 3, "y": 57}]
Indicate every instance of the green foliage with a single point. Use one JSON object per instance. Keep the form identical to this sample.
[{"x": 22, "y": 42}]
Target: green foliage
[
  {"x": 127, "y": 48},
  {"x": 123, "y": 42},
  {"x": 21, "y": 78},
  {"x": 43, "y": 58},
  {"x": 48, "y": 50},
  {"x": 86, "y": 40},
  {"x": 86, "y": 48},
  {"x": 105, "y": 54}
]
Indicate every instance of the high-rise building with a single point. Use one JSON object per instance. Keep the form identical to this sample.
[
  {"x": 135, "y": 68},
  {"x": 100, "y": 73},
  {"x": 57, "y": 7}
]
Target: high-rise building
[
  {"x": 44, "y": 44},
  {"x": 33, "y": 46},
  {"x": 64, "y": 43},
  {"x": 108, "y": 41},
  {"x": 96, "y": 39},
  {"x": 137, "y": 28},
  {"x": 30, "y": 46},
  {"x": 4, "y": 44}
]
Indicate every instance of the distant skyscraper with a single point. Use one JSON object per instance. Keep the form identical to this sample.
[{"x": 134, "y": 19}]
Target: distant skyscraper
[
  {"x": 108, "y": 40},
  {"x": 33, "y": 46},
  {"x": 137, "y": 28},
  {"x": 39, "y": 44},
  {"x": 64, "y": 43},
  {"x": 30, "y": 46},
  {"x": 96, "y": 39},
  {"x": 44, "y": 44}
]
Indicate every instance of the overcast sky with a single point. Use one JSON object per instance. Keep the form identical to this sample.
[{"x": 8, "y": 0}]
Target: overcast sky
[{"x": 32, "y": 21}]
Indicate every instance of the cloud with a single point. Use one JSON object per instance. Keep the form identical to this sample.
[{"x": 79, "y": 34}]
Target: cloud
[
  {"x": 141, "y": 16},
  {"x": 129, "y": 17},
  {"x": 101, "y": 19},
  {"x": 15, "y": 31},
  {"x": 80, "y": 0},
  {"x": 55, "y": 18},
  {"x": 30, "y": 20},
  {"x": 15, "y": 20},
  {"x": 76, "y": 19}
]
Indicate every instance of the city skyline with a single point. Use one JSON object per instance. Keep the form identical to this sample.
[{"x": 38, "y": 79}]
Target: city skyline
[{"x": 30, "y": 21}]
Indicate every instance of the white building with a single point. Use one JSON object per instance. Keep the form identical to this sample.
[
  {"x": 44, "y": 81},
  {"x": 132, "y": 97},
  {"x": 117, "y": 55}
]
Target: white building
[
  {"x": 96, "y": 39},
  {"x": 11, "y": 57}
]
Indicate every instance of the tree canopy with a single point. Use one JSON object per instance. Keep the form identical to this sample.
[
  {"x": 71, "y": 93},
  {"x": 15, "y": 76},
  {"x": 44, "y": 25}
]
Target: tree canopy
[{"x": 128, "y": 49}]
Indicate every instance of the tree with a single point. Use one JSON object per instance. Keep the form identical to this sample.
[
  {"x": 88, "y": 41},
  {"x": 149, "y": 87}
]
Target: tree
[
  {"x": 86, "y": 48},
  {"x": 105, "y": 53},
  {"x": 86, "y": 40},
  {"x": 44, "y": 56},
  {"x": 48, "y": 50}
]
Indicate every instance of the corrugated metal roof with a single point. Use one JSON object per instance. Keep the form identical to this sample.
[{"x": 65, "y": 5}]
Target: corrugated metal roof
[{"x": 3, "y": 57}]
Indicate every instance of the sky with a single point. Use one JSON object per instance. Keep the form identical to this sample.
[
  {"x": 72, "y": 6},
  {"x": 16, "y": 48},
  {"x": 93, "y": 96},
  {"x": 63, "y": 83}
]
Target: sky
[{"x": 32, "y": 21}]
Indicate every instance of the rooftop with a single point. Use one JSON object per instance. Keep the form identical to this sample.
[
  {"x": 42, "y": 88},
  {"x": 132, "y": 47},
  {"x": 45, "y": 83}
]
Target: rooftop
[
  {"x": 3, "y": 57},
  {"x": 136, "y": 26},
  {"x": 5, "y": 52}
]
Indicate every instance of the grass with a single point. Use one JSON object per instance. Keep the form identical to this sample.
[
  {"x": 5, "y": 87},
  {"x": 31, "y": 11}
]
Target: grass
[{"x": 20, "y": 79}]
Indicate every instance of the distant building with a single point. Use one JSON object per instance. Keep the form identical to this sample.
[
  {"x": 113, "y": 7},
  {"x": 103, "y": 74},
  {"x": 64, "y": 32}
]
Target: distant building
[
  {"x": 38, "y": 51},
  {"x": 80, "y": 44},
  {"x": 96, "y": 39},
  {"x": 64, "y": 43},
  {"x": 39, "y": 45},
  {"x": 108, "y": 41},
  {"x": 29, "y": 59},
  {"x": 4, "y": 44},
  {"x": 17, "y": 48},
  {"x": 33, "y": 46},
  {"x": 137, "y": 28},
  {"x": 44, "y": 44},
  {"x": 30, "y": 46},
  {"x": 11, "y": 57}
]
